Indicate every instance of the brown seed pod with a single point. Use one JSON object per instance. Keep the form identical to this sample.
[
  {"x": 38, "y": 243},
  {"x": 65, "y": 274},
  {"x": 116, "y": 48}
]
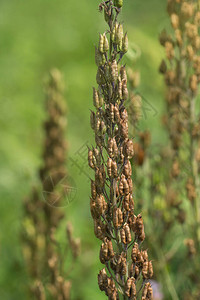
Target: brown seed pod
[
  {"x": 150, "y": 269},
  {"x": 145, "y": 270},
  {"x": 91, "y": 160},
  {"x": 117, "y": 217},
  {"x": 128, "y": 149},
  {"x": 104, "y": 253},
  {"x": 134, "y": 252}
]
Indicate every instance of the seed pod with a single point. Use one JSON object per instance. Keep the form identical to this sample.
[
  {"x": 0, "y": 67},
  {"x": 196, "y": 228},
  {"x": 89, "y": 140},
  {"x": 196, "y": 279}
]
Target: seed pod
[
  {"x": 118, "y": 3},
  {"x": 95, "y": 98},
  {"x": 104, "y": 253},
  {"x": 112, "y": 113},
  {"x": 98, "y": 57},
  {"x": 128, "y": 149},
  {"x": 187, "y": 10},
  {"x": 123, "y": 74},
  {"x": 99, "y": 201},
  {"x": 99, "y": 229},
  {"x": 91, "y": 159},
  {"x": 101, "y": 43},
  {"x": 114, "y": 169},
  {"x": 93, "y": 189},
  {"x": 150, "y": 269},
  {"x": 111, "y": 253},
  {"x": 119, "y": 36},
  {"x": 114, "y": 71},
  {"x": 124, "y": 91},
  {"x": 92, "y": 120},
  {"x": 193, "y": 83},
  {"x": 145, "y": 255},
  {"x": 109, "y": 166},
  {"x": 125, "y": 43},
  {"x": 127, "y": 169},
  {"x": 113, "y": 33},
  {"x": 128, "y": 287},
  {"x": 116, "y": 114},
  {"x": 134, "y": 252},
  {"x": 102, "y": 280},
  {"x": 137, "y": 272},
  {"x": 105, "y": 43},
  {"x": 117, "y": 217},
  {"x": 163, "y": 67},
  {"x": 123, "y": 236},
  {"x": 127, "y": 233},
  {"x": 175, "y": 21},
  {"x": 119, "y": 90},
  {"x": 145, "y": 270}
]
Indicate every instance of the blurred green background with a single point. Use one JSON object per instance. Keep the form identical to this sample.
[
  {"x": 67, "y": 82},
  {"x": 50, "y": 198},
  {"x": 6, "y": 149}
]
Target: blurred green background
[{"x": 36, "y": 36}]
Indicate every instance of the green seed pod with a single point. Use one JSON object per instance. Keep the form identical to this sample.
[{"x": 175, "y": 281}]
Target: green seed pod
[
  {"x": 92, "y": 120},
  {"x": 105, "y": 44},
  {"x": 114, "y": 71},
  {"x": 98, "y": 57},
  {"x": 118, "y": 3},
  {"x": 125, "y": 43},
  {"x": 119, "y": 34},
  {"x": 114, "y": 33},
  {"x": 101, "y": 42},
  {"x": 101, "y": 100},
  {"x": 95, "y": 98}
]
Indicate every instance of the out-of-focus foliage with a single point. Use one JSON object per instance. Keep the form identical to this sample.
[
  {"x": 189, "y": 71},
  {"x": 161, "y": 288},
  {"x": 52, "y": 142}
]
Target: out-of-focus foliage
[{"x": 36, "y": 36}]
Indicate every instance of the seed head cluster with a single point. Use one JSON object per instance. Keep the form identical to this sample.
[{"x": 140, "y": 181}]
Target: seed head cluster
[{"x": 127, "y": 268}]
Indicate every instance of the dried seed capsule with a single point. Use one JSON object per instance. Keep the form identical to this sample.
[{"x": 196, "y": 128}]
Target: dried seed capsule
[
  {"x": 104, "y": 253},
  {"x": 128, "y": 287},
  {"x": 99, "y": 201},
  {"x": 99, "y": 229},
  {"x": 90, "y": 159},
  {"x": 128, "y": 149},
  {"x": 150, "y": 269},
  {"x": 93, "y": 189},
  {"x": 134, "y": 252},
  {"x": 127, "y": 169},
  {"x": 117, "y": 217},
  {"x": 111, "y": 253},
  {"x": 102, "y": 280},
  {"x": 137, "y": 272},
  {"x": 114, "y": 169},
  {"x": 127, "y": 233},
  {"x": 145, "y": 270},
  {"x": 119, "y": 90},
  {"x": 123, "y": 236}
]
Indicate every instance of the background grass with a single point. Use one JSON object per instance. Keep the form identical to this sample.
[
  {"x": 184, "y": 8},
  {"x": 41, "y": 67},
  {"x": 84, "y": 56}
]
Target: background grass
[{"x": 34, "y": 37}]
